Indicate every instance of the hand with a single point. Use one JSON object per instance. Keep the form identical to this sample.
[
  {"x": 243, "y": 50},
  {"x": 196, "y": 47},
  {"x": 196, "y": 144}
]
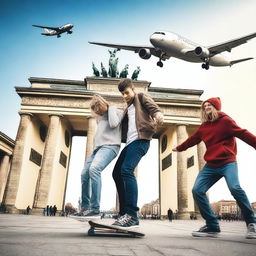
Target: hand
[{"x": 159, "y": 118}]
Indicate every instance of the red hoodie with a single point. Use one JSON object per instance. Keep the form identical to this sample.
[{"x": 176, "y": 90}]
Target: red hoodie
[{"x": 219, "y": 138}]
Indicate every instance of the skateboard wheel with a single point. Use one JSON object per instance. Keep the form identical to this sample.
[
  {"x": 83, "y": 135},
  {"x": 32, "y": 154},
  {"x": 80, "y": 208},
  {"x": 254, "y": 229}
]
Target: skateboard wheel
[{"x": 91, "y": 232}]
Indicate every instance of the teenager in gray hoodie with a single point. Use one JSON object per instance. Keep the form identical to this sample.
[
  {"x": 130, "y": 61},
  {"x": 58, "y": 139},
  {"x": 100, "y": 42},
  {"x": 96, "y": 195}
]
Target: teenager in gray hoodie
[{"x": 107, "y": 143}]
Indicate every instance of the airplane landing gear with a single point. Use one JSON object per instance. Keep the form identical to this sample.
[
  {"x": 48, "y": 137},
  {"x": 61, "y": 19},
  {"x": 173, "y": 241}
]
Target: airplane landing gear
[
  {"x": 58, "y": 36},
  {"x": 69, "y": 32},
  {"x": 205, "y": 65},
  {"x": 160, "y": 64}
]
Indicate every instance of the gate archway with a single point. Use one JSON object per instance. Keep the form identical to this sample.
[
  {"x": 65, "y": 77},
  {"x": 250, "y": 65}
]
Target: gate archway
[{"x": 54, "y": 110}]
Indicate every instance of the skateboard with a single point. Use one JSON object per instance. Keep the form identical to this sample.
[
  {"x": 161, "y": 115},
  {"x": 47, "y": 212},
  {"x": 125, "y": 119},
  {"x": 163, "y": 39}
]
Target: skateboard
[
  {"x": 98, "y": 229},
  {"x": 82, "y": 218}
]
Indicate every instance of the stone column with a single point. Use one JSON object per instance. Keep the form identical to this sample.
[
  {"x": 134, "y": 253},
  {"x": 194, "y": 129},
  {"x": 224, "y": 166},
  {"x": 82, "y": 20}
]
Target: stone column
[
  {"x": 136, "y": 172},
  {"x": 17, "y": 162},
  {"x": 4, "y": 171},
  {"x": 200, "y": 153},
  {"x": 90, "y": 136},
  {"x": 45, "y": 174},
  {"x": 201, "y": 162},
  {"x": 182, "y": 175}
]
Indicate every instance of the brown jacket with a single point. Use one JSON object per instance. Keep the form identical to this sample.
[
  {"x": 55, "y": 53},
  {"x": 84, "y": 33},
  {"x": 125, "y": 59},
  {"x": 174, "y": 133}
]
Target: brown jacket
[{"x": 145, "y": 109}]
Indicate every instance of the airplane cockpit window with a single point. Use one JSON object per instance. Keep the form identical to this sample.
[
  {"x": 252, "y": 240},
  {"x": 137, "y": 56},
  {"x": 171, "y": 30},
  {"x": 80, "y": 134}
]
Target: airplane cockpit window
[{"x": 161, "y": 33}]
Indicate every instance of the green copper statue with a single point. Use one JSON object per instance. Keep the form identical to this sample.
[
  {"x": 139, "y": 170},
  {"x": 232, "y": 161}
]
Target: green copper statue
[
  {"x": 113, "y": 61},
  {"x": 104, "y": 72},
  {"x": 135, "y": 73},
  {"x": 96, "y": 72},
  {"x": 113, "y": 70},
  {"x": 124, "y": 72}
]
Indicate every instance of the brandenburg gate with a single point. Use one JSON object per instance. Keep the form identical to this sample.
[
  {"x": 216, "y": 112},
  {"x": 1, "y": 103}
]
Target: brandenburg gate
[{"x": 54, "y": 110}]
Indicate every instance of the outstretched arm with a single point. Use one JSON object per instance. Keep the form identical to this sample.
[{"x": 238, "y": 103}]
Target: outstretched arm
[
  {"x": 190, "y": 142},
  {"x": 240, "y": 133}
]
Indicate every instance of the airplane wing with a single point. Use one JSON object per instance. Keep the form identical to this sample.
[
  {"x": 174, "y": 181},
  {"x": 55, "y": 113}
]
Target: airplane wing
[
  {"x": 52, "y": 28},
  {"x": 227, "y": 46},
  {"x": 134, "y": 48}
]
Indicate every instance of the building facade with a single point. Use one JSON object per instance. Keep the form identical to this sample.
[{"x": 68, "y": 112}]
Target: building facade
[
  {"x": 226, "y": 208},
  {"x": 6, "y": 152},
  {"x": 151, "y": 210}
]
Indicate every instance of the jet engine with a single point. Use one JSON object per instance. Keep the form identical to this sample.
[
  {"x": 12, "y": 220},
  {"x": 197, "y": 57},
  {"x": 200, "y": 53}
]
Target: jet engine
[
  {"x": 144, "y": 53},
  {"x": 202, "y": 52}
]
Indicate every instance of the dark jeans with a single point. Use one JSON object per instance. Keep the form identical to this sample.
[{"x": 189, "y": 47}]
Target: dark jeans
[
  {"x": 208, "y": 177},
  {"x": 123, "y": 175}
]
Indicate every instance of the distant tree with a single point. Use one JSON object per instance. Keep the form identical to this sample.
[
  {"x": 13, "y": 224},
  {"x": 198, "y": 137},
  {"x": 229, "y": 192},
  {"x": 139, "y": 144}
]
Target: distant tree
[{"x": 69, "y": 208}]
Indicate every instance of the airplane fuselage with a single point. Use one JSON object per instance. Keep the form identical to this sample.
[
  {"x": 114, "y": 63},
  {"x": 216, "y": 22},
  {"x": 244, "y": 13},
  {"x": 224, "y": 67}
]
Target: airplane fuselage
[
  {"x": 168, "y": 44},
  {"x": 66, "y": 28},
  {"x": 174, "y": 45}
]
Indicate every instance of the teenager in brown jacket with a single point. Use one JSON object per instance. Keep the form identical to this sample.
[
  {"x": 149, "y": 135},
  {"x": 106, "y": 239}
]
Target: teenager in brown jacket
[{"x": 138, "y": 126}]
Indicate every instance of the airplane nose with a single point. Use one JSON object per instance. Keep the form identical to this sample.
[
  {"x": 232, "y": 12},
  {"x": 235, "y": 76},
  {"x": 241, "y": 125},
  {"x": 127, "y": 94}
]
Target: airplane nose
[{"x": 155, "y": 38}]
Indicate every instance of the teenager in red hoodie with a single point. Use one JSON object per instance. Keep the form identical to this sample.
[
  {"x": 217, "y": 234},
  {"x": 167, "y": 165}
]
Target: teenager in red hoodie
[{"x": 218, "y": 132}]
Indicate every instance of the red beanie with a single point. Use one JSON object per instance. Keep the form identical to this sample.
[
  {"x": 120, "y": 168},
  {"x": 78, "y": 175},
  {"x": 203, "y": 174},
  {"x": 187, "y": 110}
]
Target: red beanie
[{"x": 215, "y": 102}]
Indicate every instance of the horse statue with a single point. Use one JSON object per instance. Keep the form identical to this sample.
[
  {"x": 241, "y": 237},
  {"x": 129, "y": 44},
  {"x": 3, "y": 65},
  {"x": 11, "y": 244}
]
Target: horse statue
[
  {"x": 96, "y": 72},
  {"x": 124, "y": 72},
  {"x": 135, "y": 73},
  {"x": 104, "y": 72},
  {"x": 113, "y": 61}
]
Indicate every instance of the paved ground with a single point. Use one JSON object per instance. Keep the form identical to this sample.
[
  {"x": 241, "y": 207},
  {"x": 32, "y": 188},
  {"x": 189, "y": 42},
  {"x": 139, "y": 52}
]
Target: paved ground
[{"x": 41, "y": 235}]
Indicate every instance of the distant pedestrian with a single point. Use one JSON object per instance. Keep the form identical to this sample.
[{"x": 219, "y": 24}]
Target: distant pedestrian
[
  {"x": 51, "y": 211},
  {"x": 54, "y": 210},
  {"x": 44, "y": 211},
  {"x": 47, "y": 210},
  {"x": 28, "y": 210},
  {"x": 170, "y": 214}
]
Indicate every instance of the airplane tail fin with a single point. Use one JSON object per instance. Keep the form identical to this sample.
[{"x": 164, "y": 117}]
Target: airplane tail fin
[{"x": 240, "y": 60}]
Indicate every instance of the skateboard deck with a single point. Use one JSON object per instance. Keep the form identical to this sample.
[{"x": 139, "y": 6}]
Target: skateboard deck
[
  {"x": 98, "y": 229},
  {"x": 82, "y": 218}
]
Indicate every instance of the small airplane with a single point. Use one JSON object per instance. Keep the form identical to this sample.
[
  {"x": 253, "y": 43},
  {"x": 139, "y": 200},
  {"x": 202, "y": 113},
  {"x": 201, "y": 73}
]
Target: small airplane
[
  {"x": 56, "y": 31},
  {"x": 168, "y": 44}
]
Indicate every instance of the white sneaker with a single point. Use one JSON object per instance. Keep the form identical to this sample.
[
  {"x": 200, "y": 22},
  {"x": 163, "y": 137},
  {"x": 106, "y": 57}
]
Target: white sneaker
[
  {"x": 251, "y": 231},
  {"x": 126, "y": 222}
]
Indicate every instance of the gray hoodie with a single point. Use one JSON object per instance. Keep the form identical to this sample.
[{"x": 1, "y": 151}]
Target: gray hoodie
[{"x": 109, "y": 128}]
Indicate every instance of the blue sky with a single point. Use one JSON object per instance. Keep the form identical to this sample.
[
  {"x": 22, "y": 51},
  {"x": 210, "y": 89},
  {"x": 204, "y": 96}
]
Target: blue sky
[{"x": 26, "y": 53}]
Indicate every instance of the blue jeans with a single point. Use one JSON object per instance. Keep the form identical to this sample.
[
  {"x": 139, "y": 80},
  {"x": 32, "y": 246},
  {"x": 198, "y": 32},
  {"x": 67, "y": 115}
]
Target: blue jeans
[
  {"x": 208, "y": 177},
  {"x": 91, "y": 175},
  {"x": 123, "y": 175}
]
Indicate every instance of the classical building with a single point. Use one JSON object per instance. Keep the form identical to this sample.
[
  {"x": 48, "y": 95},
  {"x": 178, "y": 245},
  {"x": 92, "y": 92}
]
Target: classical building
[
  {"x": 6, "y": 151},
  {"x": 151, "y": 210},
  {"x": 226, "y": 208},
  {"x": 54, "y": 110}
]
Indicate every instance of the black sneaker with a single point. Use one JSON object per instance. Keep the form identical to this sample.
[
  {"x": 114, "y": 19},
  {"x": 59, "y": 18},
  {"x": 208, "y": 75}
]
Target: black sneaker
[
  {"x": 126, "y": 221},
  {"x": 206, "y": 231},
  {"x": 92, "y": 215}
]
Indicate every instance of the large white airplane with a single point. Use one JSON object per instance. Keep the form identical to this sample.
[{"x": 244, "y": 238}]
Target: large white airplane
[
  {"x": 169, "y": 44},
  {"x": 56, "y": 31}
]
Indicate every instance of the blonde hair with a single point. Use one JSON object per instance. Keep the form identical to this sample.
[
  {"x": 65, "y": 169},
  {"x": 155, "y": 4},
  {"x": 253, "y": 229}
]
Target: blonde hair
[
  {"x": 97, "y": 102},
  {"x": 211, "y": 117}
]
